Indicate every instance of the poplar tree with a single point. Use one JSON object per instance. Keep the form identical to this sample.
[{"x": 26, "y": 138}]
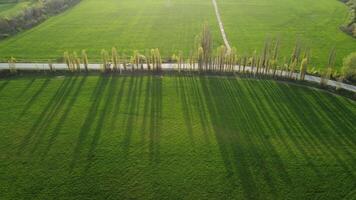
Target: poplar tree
[
  {"x": 85, "y": 60},
  {"x": 326, "y": 74},
  {"x": 12, "y": 65},
  {"x": 76, "y": 61},
  {"x": 200, "y": 57},
  {"x": 303, "y": 68},
  {"x": 105, "y": 63},
  {"x": 115, "y": 59},
  {"x": 67, "y": 60}
]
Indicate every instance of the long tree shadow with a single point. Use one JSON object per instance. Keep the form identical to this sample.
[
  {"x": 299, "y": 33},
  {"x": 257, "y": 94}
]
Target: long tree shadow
[
  {"x": 228, "y": 137},
  {"x": 43, "y": 117},
  {"x": 30, "y": 102},
  {"x": 4, "y": 84},
  {"x": 303, "y": 105},
  {"x": 27, "y": 87},
  {"x": 274, "y": 116},
  {"x": 96, "y": 98},
  {"x": 255, "y": 132},
  {"x": 52, "y": 112},
  {"x": 201, "y": 109},
  {"x": 291, "y": 126},
  {"x": 183, "y": 93},
  {"x": 336, "y": 141},
  {"x": 296, "y": 124},
  {"x": 156, "y": 119},
  {"x": 102, "y": 118},
  {"x": 62, "y": 119},
  {"x": 131, "y": 111},
  {"x": 119, "y": 96},
  {"x": 337, "y": 113},
  {"x": 146, "y": 110}
]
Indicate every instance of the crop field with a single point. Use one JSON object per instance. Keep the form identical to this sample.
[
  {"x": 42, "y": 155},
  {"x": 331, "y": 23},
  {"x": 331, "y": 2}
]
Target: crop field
[
  {"x": 171, "y": 25},
  {"x": 127, "y": 24},
  {"x": 153, "y": 137},
  {"x": 315, "y": 24}
]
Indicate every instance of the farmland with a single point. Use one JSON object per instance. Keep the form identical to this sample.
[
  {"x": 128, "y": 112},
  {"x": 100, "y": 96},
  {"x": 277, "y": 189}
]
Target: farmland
[
  {"x": 149, "y": 137},
  {"x": 171, "y": 25},
  {"x": 145, "y": 99}
]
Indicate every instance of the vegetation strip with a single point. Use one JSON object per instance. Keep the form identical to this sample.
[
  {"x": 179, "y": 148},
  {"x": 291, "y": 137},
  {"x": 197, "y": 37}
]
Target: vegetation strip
[
  {"x": 185, "y": 67},
  {"x": 350, "y": 26},
  {"x": 30, "y": 16}
]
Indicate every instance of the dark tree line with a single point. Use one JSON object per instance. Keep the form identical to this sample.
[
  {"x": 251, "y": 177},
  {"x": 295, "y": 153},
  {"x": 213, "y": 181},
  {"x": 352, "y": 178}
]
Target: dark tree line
[
  {"x": 32, "y": 15},
  {"x": 350, "y": 26}
]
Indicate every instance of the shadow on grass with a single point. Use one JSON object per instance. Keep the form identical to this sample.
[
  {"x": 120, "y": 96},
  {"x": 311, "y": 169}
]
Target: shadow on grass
[
  {"x": 315, "y": 127},
  {"x": 146, "y": 110},
  {"x": 30, "y": 102},
  {"x": 117, "y": 103},
  {"x": 96, "y": 98},
  {"x": 27, "y": 87},
  {"x": 185, "y": 98},
  {"x": 102, "y": 118},
  {"x": 200, "y": 105},
  {"x": 59, "y": 101},
  {"x": 255, "y": 131},
  {"x": 229, "y": 136},
  {"x": 156, "y": 119},
  {"x": 62, "y": 119},
  {"x": 4, "y": 84},
  {"x": 45, "y": 117},
  {"x": 132, "y": 102}
]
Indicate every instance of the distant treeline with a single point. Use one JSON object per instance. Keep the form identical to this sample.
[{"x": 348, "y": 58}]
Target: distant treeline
[
  {"x": 33, "y": 15},
  {"x": 350, "y": 26}
]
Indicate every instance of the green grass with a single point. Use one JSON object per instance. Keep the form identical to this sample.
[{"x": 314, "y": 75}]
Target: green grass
[
  {"x": 8, "y": 8},
  {"x": 144, "y": 137},
  {"x": 171, "y": 25},
  {"x": 248, "y": 23}
]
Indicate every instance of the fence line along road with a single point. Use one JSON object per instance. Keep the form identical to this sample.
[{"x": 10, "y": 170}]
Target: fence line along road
[{"x": 170, "y": 67}]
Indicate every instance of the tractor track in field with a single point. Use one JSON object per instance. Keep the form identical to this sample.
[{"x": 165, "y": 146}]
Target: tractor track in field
[{"x": 221, "y": 26}]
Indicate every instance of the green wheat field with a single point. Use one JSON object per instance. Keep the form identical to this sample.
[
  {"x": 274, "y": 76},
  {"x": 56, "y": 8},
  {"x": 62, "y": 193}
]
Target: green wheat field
[
  {"x": 171, "y": 25},
  {"x": 152, "y": 137},
  {"x": 135, "y": 133}
]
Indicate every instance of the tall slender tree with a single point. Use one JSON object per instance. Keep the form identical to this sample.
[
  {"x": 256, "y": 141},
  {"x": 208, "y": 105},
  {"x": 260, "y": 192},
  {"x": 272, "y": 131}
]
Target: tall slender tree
[
  {"x": 115, "y": 59},
  {"x": 85, "y": 60}
]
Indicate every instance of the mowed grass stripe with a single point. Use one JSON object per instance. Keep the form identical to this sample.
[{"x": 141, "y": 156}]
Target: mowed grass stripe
[
  {"x": 170, "y": 25},
  {"x": 174, "y": 137}
]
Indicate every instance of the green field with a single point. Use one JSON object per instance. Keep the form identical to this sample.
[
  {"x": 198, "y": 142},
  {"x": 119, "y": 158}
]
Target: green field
[
  {"x": 172, "y": 25},
  {"x": 315, "y": 24},
  {"x": 126, "y": 24},
  {"x": 171, "y": 137},
  {"x": 11, "y": 7}
]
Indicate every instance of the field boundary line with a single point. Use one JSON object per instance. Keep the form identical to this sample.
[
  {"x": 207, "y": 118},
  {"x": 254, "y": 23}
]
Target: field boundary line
[{"x": 221, "y": 26}]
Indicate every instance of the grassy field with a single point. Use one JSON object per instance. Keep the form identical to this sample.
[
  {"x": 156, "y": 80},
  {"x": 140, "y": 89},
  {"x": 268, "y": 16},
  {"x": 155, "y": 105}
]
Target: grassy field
[
  {"x": 248, "y": 23},
  {"x": 147, "y": 137},
  {"x": 171, "y": 25},
  {"x": 8, "y": 7}
]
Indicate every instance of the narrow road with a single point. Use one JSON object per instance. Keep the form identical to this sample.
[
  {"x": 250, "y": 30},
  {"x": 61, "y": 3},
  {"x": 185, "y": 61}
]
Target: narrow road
[
  {"x": 221, "y": 26},
  {"x": 169, "y": 67}
]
